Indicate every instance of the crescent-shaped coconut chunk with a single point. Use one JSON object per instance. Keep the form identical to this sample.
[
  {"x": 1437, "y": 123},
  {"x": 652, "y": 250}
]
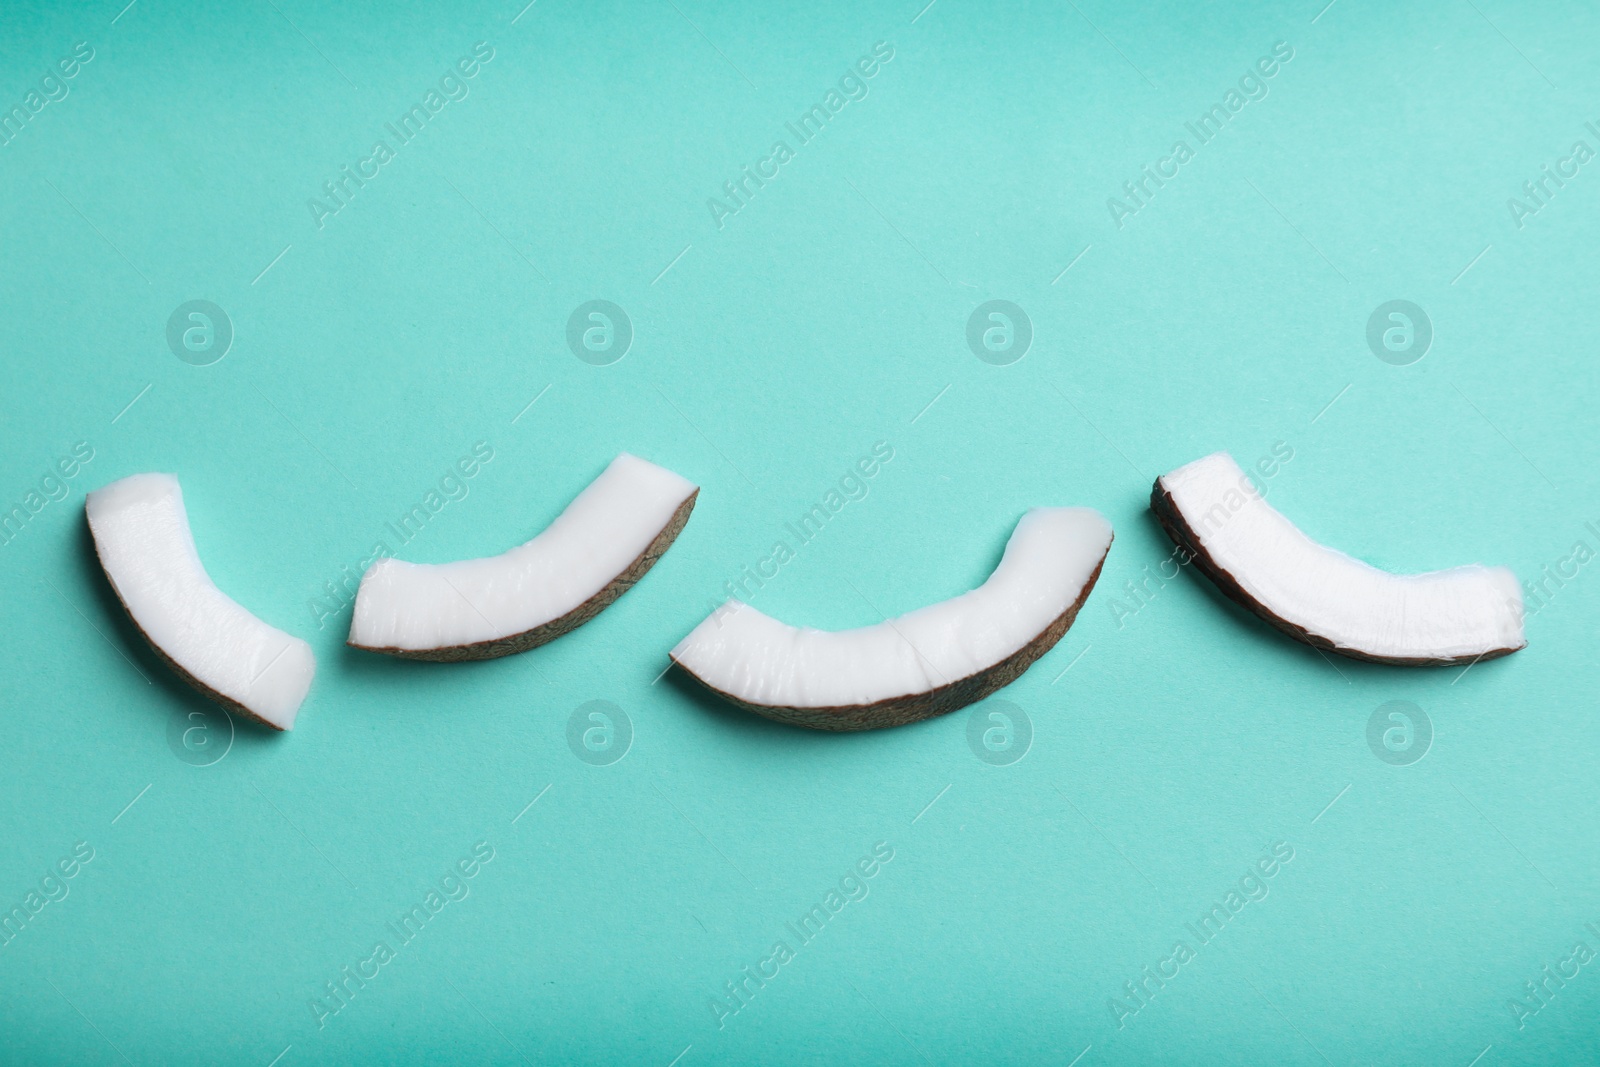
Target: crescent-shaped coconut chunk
[
  {"x": 927, "y": 662},
  {"x": 141, "y": 534},
  {"x": 1321, "y": 596},
  {"x": 604, "y": 542}
]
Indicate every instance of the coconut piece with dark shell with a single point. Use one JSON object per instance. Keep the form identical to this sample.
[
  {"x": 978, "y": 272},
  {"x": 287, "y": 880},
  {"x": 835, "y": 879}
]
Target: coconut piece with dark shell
[
  {"x": 142, "y": 538},
  {"x": 929, "y": 662},
  {"x": 1260, "y": 560},
  {"x": 597, "y": 549}
]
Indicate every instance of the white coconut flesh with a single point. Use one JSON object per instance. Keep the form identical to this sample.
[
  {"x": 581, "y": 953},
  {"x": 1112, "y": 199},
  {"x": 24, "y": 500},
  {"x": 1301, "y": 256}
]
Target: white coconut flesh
[
  {"x": 607, "y": 527},
  {"x": 1445, "y": 616},
  {"x": 141, "y": 534},
  {"x": 1049, "y": 561}
]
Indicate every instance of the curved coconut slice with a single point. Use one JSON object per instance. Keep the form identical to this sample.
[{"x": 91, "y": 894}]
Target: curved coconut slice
[
  {"x": 929, "y": 662},
  {"x": 606, "y": 539},
  {"x": 1323, "y": 597},
  {"x": 141, "y": 534}
]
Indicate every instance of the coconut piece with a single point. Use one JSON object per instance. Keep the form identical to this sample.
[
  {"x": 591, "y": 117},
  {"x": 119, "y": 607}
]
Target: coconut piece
[
  {"x": 928, "y": 662},
  {"x": 141, "y": 534},
  {"x": 1211, "y": 509},
  {"x": 604, "y": 542}
]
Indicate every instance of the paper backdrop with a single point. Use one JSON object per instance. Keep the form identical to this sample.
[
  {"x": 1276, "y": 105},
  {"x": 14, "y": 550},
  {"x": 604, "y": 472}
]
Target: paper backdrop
[{"x": 397, "y": 221}]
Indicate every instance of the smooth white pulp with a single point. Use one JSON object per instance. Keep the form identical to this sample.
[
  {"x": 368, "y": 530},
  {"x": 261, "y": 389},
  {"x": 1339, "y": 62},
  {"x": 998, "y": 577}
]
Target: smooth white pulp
[
  {"x": 1463, "y": 611},
  {"x": 141, "y": 532},
  {"x": 758, "y": 659},
  {"x": 606, "y": 527}
]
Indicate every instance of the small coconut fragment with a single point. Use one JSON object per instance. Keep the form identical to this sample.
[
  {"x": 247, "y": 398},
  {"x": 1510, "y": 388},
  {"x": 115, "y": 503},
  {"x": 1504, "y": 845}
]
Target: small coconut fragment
[
  {"x": 604, "y": 542},
  {"x": 141, "y": 534},
  {"x": 928, "y": 662},
  {"x": 1212, "y": 510}
]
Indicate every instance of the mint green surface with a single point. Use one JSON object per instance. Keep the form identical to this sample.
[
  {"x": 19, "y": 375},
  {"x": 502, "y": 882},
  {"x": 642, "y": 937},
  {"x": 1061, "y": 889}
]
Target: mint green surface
[{"x": 769, "y": 355}]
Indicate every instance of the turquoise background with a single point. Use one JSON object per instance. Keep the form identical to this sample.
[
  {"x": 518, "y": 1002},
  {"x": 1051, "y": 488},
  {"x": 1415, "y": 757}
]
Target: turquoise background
[{"x": 768, "y": 356}]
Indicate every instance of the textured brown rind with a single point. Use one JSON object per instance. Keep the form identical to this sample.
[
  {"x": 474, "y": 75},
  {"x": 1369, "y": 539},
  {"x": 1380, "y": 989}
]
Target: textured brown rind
[
  {"x": 549, "y": 631},
  {"x": 200, "y": 687},
  {"x": 898, "y": 711},
  {"x": 1183, "y": 535}
]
